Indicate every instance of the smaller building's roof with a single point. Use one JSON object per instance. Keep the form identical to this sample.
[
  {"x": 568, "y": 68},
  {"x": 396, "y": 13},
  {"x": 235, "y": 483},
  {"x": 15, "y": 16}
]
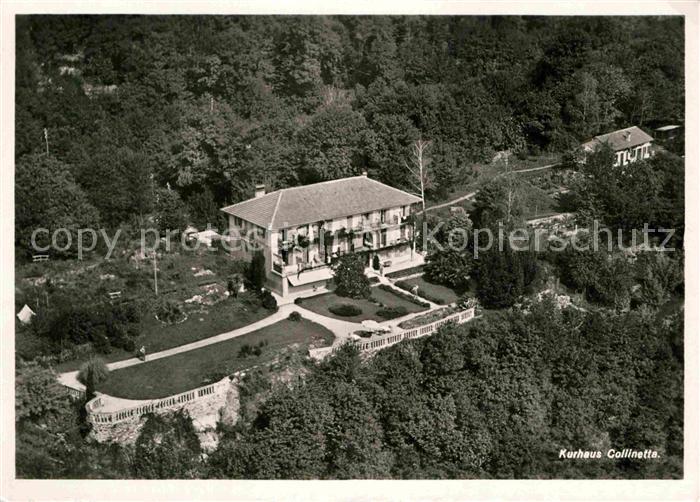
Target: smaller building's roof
[
  {"x": 620, "y": 140},
  {"x": 667, "y": 127}
]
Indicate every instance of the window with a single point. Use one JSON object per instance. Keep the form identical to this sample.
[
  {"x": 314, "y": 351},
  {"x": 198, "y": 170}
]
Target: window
[
  {"x": 383, "y": 238},
  {"x": 382, "y": 216}
]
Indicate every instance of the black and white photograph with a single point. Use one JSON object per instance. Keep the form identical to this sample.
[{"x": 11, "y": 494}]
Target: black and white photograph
[{"x": 356, "y": 246}]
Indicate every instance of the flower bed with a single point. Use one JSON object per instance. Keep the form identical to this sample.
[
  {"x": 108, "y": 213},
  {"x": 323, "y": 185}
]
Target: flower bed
[
  {"x": 424, "y": 319},
  {"x": 345, "y": 310},
  {"x": 392, "y": 312}
]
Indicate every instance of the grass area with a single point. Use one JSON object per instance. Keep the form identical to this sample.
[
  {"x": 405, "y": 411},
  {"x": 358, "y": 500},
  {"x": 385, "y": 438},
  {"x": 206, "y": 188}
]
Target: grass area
[
  {"x": 482, "y": 173},
  {"x": 321, "y": 304},
  {"x": 195, "y": 368},
  {"x": 202, "y": 322},
  {"x": 433, "y": 292}
]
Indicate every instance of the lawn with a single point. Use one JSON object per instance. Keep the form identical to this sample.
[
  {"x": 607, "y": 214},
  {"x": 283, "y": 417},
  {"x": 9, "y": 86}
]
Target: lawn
[
  {"x": 484, "y": 172},
  {"x": 433, "y": 292},
  {"x": 202, "y": 322},
  {"x": 195, "y": 368},
  {"x": 321, "y": 303}
]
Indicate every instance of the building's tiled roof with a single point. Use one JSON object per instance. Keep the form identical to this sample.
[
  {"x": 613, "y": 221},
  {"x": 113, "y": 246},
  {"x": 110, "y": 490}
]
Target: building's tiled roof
[
  {"x": 296, "y": 206},
  {"x": 618, "y": 139}
]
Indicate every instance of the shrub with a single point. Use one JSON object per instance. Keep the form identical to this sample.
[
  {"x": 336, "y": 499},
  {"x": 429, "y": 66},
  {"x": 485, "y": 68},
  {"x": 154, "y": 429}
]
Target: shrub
[
  {"x": 169, "y": 311},
  {"x": 268, "y": 301},
  {"x": 129, "y": 345},
  {"x": 295, "y": 316},
  {"x": 364, "y": 333},
  {"x": 101, "y": 343},
  {"x": 345, "y": 310},
  {"x": 392, "y": 312},
  {"x": 350, "y": 278},
  {"x": 91, "y": 374},
  {"x": 247, "y": 350},
  {"x": 298, "y": 301}
]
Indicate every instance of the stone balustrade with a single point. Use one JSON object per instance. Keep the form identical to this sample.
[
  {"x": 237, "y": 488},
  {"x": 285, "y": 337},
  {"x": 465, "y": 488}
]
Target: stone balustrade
[{"x": 389, "y": 339}]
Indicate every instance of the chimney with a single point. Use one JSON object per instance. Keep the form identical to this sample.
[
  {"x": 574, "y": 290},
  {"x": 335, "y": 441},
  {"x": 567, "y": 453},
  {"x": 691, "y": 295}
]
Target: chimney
[
  {"x": 364, "y": 174},
  {"x": 628, "y": 136},
  {"x": 259, "y": 190}
]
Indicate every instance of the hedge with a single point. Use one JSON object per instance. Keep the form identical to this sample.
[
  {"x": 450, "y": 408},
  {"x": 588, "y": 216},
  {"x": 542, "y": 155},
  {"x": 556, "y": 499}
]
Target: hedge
[
  {"x": 392, "y": 312},
  {"x": 345, "y": 310},
  {"x": 405, "y": 272}
]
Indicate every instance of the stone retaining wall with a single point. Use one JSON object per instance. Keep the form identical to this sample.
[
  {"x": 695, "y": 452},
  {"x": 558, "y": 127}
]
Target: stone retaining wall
[{"x": 218, "y": 401}]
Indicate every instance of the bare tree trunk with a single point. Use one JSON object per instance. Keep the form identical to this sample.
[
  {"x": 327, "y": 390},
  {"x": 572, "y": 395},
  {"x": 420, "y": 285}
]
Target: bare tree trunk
[{"x": 419, "y": 167}]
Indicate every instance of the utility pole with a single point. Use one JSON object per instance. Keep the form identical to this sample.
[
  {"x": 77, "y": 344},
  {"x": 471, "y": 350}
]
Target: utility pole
[
  {"x": 510, "y": 188},
  {"x": 155, "y": 271},
  {"x": 46, "y": 140}
]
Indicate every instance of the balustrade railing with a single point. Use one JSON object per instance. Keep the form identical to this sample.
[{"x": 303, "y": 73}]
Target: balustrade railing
[
  {"x": 383, "y": 341},
  {"x": 109, "y": 417}
]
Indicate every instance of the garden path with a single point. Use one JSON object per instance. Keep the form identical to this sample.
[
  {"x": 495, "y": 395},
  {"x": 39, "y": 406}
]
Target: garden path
[{"x": 341, "y": 329}]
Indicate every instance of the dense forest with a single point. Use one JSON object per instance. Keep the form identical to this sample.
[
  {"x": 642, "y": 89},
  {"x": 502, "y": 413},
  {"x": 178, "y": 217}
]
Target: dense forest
[
  {"x": 126, "y": 120},
  {"x": 211, "y": 105}
]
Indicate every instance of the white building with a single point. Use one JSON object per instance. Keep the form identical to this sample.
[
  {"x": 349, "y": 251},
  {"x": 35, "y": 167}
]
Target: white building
[
  {"x": 629, "y": 145},
  {"x": 301, "y": 229}
]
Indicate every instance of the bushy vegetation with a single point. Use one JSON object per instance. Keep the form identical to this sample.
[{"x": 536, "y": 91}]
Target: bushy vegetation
[
  {"x": 169, "y": 311},
  {"x": 442, "y": 406},
  {"x": 392, "y": 312},
  {"x": 349, "y": 276},
  {"x": 212, "y": 105},
  {"x": 345, "y": 309}
]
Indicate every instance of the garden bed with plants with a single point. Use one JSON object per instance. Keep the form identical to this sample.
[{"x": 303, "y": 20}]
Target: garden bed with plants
[
  {"x": 442, "y": 295},
  {"x": 202, "y": 322},
  {"x": 384, "y": 304},
  {"x": 195, "y": 368},
  {"x": 428, "y": 318}
]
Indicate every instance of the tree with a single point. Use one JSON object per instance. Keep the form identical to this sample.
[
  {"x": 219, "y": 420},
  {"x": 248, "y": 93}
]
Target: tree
[
  {"x": 91, "y": 374},
  {"x": 37, "y": 392},
  {"x": 334, "y": 144},
  {"x": 46, "y": 196},
  {"x": 256, "y": 271},
  {"x": 419, "y": 167},
  {"x": 168, "y": 448},
  {"x": 349, "y": 276},
  {"x": 170, "y": 214},
  {"x": 503, "y": 276},
  {"x": 450, "y": 263}
]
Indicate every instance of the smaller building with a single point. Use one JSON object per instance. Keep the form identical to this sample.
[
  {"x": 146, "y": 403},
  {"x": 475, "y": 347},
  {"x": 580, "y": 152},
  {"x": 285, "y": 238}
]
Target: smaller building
[
  {"x": 629, "y": 145},
  {"x": 668, "y": 132}
]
